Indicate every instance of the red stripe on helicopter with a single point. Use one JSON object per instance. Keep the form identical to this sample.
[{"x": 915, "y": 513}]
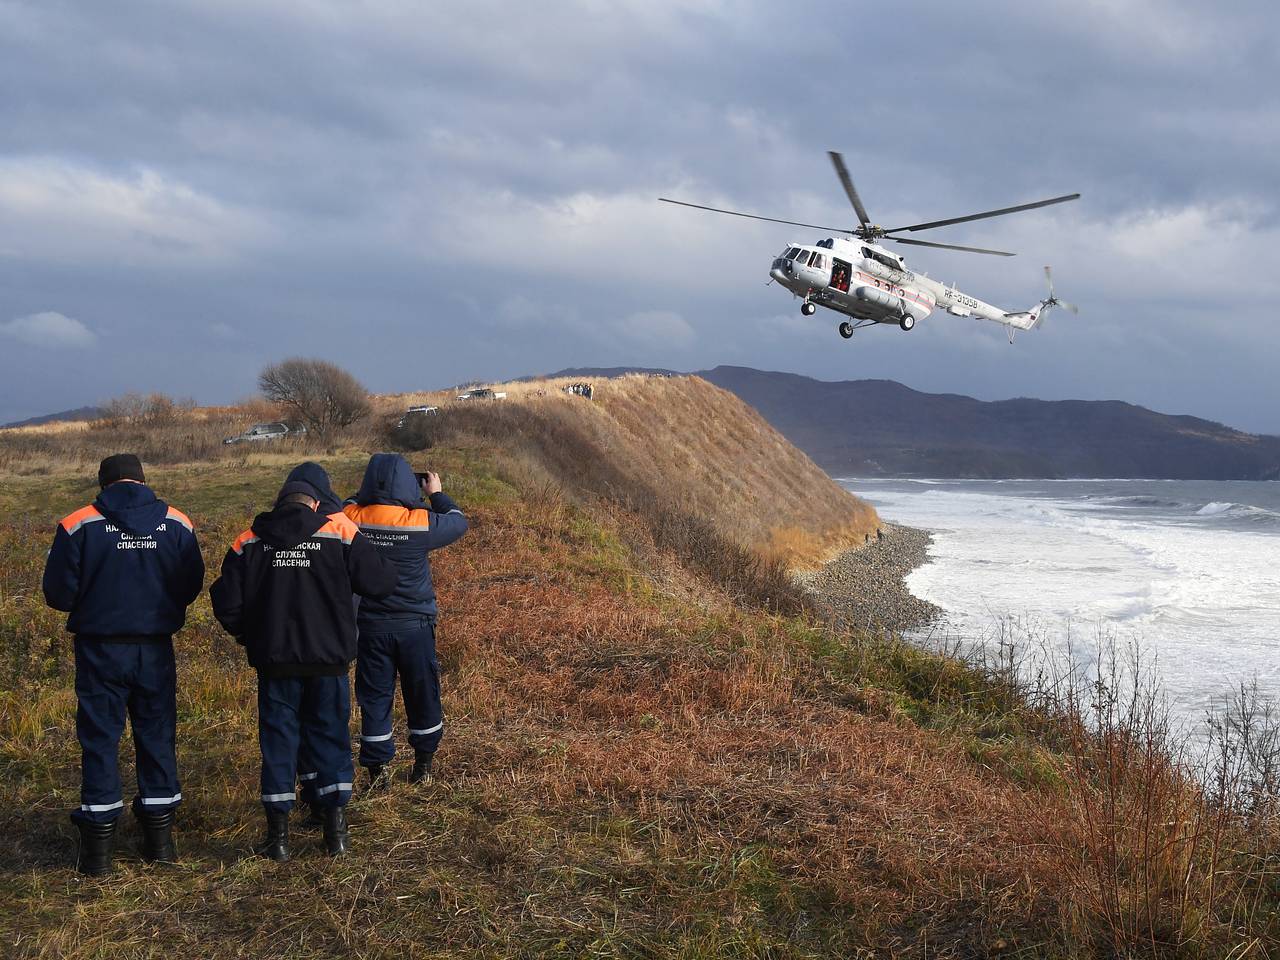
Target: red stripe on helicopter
[{"x": 914, "y": 299}]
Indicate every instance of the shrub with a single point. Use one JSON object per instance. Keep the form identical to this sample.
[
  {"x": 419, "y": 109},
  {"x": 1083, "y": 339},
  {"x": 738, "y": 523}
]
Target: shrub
[
  {"x": 321, "y": 394},
  {"x": 151, "y": 410}
]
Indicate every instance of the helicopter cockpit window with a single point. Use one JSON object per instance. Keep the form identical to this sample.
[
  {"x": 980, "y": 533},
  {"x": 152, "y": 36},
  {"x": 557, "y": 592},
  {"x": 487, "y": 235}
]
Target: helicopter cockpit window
[
  {"x": 793, "y": 253},
  {"x": 818, "y": 261}
]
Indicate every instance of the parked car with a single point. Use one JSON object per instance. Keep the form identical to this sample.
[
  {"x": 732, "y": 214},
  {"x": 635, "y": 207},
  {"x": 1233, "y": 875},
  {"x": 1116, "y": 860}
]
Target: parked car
[
  {"x": 482, "y": 393},
  {"x": 420, "y": 411},
  {"x": 261, "y": 432}
]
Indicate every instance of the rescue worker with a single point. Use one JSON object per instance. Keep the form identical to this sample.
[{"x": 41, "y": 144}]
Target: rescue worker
[
  {"x": 125, "y": 568},
  {"x": 285, "y": 594},
  {"x": 398, "y": 633},
  {"x": 318, "y": 477}
]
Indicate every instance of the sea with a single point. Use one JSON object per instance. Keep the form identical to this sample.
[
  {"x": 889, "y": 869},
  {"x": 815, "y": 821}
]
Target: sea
[{"x": 1187, "y": 572}]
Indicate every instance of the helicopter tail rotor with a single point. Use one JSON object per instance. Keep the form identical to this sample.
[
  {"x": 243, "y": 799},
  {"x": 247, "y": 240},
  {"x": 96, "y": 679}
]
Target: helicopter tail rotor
[{"x": 1052, "y": 301}]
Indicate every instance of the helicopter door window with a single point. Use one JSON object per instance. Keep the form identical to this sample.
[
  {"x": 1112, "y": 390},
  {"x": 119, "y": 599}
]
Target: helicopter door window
[{"x": 840, "y": 274}]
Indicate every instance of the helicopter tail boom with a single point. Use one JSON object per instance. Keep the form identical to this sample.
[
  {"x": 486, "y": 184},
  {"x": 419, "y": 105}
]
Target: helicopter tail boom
[
  {"x": 1030, "y": 319},
  {"x": 1026, "y": 319}
]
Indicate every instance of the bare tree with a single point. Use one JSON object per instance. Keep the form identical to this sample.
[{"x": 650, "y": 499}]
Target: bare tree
[{"x": 321, "y": 394}]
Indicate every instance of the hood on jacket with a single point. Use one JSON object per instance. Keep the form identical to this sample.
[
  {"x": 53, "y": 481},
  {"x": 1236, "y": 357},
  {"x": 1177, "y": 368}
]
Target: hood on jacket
[
  {"x": 318, "y": 477},
  {"x": 131, "y": 506},
  {"x": 288, "y": 525},
  {"x": 389, "y": 479}
]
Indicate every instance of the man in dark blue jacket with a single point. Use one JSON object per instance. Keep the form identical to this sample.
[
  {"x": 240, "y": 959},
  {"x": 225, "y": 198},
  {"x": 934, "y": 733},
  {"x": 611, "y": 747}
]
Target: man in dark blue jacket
[
  {"x": 285, "y": 594},
  {"x": 125, "y": 568},
  {"x": 398, "y": 633},
  {"x": 308, "y": 767}
]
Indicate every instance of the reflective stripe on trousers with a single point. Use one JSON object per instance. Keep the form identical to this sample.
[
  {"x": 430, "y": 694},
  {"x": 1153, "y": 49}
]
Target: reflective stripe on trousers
[
  {"x": 410, "y": 654},
  {"x": 115, "y": 681},
  {"x": 319, "y": 710}
]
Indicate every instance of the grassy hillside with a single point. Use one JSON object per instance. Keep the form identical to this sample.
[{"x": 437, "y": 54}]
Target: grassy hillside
[
  {"x": 645, "y": 754},
  {"x": 677, "y": 442}
]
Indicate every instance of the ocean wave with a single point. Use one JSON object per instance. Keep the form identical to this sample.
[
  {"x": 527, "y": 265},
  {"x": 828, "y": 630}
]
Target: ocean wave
[
  {"x": 1159, "y": 503},
  {"x": 1215, "y": 508},
  {"x": 1239, "y": 512}
]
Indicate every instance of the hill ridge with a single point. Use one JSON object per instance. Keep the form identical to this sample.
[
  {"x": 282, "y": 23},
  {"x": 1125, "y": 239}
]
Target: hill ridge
[{"x": 881, "y": 427}]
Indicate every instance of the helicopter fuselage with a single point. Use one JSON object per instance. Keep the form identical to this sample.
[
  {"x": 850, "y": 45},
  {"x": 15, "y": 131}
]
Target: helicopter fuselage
[{"x": 871, "y": 284}]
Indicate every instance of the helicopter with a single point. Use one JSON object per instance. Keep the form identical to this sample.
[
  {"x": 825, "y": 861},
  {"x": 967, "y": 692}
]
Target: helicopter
[{"x": 859, "y": 277}]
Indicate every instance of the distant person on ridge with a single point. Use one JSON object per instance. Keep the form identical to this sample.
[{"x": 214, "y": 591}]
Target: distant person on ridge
[
  {"x": 285, "y": 594},
  {"x": 125, "y": 568},
  {"x": 398, "y": 633}
]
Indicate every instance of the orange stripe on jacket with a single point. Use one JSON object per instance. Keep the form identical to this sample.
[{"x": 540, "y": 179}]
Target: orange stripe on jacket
[
  {"x": 386, "y": 516},
  {"x": 176, "y": 514},
  {"x": 245, "y": 538},
  {"x": 74, "y": 521},
  {"x": 339, "y": 526}
]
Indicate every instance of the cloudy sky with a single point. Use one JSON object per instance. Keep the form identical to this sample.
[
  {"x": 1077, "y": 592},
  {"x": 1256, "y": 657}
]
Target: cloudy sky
[{"x": 429, "y": 193}]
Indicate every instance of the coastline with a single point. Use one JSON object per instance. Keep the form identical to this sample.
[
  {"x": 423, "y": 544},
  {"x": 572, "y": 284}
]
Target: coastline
[{"x": 865, "y": 587}]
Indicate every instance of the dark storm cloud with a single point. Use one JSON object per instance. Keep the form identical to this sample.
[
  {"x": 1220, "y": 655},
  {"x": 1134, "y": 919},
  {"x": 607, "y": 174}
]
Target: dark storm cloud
[{"x": 430, "y": 195}]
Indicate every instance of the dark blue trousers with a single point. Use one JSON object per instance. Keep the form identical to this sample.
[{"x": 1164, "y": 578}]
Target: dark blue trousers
[
  {"x": 311, "y": 710},
  {"x": 410, "y": 651},
  {"x": 115, "y": 680}
]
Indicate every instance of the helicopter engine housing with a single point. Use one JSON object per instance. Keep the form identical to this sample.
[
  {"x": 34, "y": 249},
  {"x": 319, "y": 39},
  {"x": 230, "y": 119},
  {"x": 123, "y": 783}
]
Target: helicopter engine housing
[{"x": 879, "y": 298}]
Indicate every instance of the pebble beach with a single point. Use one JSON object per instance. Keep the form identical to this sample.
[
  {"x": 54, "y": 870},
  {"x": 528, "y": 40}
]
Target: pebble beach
[{"x": 863, "y": 588}]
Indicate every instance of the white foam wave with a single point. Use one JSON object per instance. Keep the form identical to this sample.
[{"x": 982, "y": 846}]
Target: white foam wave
[
  {"x": 1184, "y": 573},
  {"x": 1215, "y": 508}
]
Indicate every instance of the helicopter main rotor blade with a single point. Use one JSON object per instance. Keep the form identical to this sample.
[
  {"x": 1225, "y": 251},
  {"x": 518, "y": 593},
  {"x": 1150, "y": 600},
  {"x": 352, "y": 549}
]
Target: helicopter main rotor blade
[
  {"x": 983, "y": 216},
  {"x": 753, "y": 216},
  {"x": 951, "y": 246},
  {"x": 850, "y": 190}
]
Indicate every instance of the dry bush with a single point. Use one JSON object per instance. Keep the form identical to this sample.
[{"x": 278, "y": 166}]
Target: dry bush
[
  {"x": 138, "y": 410},
  {"x": 319, "y": 393},
  {"x": 1152, "y": 845}
]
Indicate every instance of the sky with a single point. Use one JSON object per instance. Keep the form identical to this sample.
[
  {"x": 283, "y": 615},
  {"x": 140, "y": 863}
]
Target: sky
[{"x": 432, "y": 193}]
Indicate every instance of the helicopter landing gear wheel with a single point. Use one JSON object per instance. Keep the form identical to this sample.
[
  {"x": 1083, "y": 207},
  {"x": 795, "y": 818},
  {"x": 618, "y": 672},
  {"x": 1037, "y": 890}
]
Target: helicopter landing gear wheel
[
  {"x": 846, "y": 329},
  {"x": 808, "y": 309},
  {"x": 907, "y": 322}
]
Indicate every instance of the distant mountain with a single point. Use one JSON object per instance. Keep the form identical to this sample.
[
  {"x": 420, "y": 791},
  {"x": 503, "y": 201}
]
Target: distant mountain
[
  {"x": 880, "y": 427},
  {"x": 80, "y": 413},
  {"x": 612, "y": 372}
]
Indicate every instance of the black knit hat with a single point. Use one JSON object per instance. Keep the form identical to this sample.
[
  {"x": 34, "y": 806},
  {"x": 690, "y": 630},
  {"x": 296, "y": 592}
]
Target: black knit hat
[{"x": 120, "y": 466}]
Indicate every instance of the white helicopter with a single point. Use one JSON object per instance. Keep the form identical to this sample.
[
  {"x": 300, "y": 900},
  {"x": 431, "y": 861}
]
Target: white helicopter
[{"x": 864, "y": 280}]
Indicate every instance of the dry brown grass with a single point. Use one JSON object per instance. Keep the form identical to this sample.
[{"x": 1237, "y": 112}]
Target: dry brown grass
[
  {"x": 679, "y": 440},
  {"x": 636, "y": 764}
]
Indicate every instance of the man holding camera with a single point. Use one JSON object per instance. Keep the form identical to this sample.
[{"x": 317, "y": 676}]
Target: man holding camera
[
  {"x": 398, "y": 632},
  {"x": 285, "y": 594},
  {"x": 125, "y": 568}
]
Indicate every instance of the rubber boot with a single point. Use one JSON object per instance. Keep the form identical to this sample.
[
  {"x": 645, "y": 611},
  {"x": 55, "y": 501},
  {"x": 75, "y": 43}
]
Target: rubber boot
[
  {"x": 378, "y": 778},
  {"x": 157, "y": 837},
  {"x": 335, "y": 830},
  {"x": 96, "y": 842},
  {"x": 421, "y": 767},
  {"x": 315, "y": 819},
  {"x": 275, "y": 846}
]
